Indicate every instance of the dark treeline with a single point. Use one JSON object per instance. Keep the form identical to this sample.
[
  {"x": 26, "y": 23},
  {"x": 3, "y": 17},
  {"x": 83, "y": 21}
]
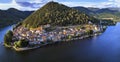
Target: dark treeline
[{"x": 12, "y": 16}]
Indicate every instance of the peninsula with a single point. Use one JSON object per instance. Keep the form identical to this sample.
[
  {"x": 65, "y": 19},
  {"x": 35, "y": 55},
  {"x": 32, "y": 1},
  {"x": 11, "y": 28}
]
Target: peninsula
[{"x": 52, "y": 23}]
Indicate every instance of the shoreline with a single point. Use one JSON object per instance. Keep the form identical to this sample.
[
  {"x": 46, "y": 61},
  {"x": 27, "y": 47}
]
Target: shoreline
[{"x": 65, "y": 40}]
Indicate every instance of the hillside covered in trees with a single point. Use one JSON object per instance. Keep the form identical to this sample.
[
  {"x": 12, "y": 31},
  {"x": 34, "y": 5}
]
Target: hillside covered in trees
[
  {"x": 12, "y": 16},
  {"x": 101, "y": 13},
  {"x": 54, "y": 14}
]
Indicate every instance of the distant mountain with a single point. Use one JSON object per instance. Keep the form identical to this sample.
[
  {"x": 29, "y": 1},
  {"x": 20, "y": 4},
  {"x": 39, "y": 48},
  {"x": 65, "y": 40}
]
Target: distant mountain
[
  {"x": 93, "y": 9},
  {"x": 85, "y": 10},
  {"x": 101, "y": 13},
  {"x": 108, "y": 13},
  {"x": 56, "y": 14},
  {"x": 106, "y": 10},
  {"x": 12, "y": 16},
  {"x": 114, "y": 8}
]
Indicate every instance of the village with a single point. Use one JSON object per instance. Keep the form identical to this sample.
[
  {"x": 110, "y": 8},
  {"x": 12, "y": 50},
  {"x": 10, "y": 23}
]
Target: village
[{"x": 40, "y": 35}]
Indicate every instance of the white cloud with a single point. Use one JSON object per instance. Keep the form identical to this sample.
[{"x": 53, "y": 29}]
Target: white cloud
[
  {"x": 72, "y": 4},
  {"x": 115, "y": 3},
  {"x": 88, "y": 4},
  {"x": 14, "y": 4},
  {"x": 115, "y": 0},
  {"x": 39, "y": 1},
  {"x": 109, "y": 3}
]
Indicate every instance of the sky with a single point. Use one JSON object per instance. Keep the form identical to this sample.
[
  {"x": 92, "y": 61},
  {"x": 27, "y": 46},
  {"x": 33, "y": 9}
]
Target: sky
[{"x": 29, "y": 5}]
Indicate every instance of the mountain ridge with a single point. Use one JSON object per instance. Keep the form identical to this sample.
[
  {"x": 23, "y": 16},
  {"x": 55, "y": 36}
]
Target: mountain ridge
[
  {"x": 101, "y": 13},
  {"x": 54, "y": 14},
  {"x": 12, "y": 16}
]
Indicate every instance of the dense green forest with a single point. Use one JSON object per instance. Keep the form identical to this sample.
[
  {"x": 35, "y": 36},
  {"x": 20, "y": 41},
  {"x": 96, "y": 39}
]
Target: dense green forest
[
  {"x": 101, "y": 13},
  {"x": 54, "y": 14},
  {"x": 12, "y": 16}
]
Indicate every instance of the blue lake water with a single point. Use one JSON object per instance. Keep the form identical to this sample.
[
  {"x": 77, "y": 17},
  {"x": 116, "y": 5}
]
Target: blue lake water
[
  {"x": 3, "y": 31},
  {"x": 102, "y": 48}
]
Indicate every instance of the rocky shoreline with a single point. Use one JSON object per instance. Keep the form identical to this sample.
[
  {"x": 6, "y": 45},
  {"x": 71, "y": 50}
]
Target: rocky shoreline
[{"x": 30, "y": 48}]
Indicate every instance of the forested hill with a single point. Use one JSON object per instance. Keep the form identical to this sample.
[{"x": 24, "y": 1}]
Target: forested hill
[
  {"x": 54, "y": 14},
  {"x": 12, "y": 16},
  {"x": 101, "y": 13}
]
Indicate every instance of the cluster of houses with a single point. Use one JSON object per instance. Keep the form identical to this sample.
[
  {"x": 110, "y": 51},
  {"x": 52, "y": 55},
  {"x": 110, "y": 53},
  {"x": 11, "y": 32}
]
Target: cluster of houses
[{"x": 38, "y": 35}]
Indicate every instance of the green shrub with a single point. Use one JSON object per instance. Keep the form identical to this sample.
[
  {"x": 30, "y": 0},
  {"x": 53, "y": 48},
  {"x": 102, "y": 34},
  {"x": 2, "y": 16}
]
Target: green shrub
[{"x": 21, "y": 43}]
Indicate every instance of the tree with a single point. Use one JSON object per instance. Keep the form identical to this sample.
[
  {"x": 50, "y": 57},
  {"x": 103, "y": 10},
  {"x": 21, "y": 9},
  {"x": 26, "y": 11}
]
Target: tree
[
  {"x": 8, "y": 38},
  {"x": 42, "y": 42},
  {"x": 21, "y": 43},
  {"x": 89, "y": 32},
  {"x": 10, "y": 33}
]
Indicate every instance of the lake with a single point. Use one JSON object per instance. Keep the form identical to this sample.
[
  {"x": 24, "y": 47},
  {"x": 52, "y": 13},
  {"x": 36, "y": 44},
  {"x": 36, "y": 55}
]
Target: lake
[{"x": 102, "y": 48}]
